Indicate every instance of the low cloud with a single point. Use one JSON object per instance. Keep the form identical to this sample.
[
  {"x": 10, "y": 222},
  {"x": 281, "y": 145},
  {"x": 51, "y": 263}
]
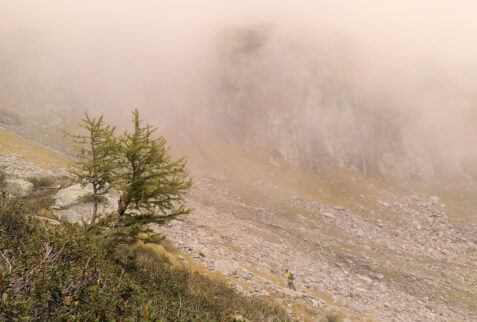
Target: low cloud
[{"x": 413, "y": 59}]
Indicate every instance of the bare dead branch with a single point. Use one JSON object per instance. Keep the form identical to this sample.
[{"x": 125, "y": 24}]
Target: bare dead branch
[
  {"x": 48, "y": 250},
  {"x": 7, "y": 260},
  {"x": 57, "y": 254},
  {"x": 180, "y": 304}
]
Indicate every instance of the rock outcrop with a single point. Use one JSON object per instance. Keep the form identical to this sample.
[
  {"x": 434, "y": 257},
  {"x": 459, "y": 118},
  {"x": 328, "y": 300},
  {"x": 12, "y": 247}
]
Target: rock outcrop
[
  {"x": 71, "y": 195},
  {"x": 74, "y": 204},
  {"x": 18, "y": 187}
]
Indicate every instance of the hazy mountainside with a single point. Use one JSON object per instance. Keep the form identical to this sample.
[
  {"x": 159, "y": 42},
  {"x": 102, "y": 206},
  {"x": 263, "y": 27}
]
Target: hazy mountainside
[{"x": 308, "y": 105}]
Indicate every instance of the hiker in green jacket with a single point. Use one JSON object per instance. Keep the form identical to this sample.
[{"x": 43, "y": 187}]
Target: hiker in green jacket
[{"x": 291, "y": 277}]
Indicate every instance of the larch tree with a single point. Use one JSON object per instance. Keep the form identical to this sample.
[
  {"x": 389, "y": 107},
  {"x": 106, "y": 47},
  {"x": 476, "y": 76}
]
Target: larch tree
[
  {"x": 96, "y": 152},
  {"x": 151, "y": 185}
]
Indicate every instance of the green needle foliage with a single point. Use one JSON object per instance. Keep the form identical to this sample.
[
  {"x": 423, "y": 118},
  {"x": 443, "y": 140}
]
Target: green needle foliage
[
  {"x": 151, "y": 185},
  {"x": 96, "y": 153}
]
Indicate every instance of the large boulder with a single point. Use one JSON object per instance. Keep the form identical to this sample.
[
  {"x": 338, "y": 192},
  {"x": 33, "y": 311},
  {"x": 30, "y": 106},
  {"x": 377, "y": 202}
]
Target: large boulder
[
  {"x": 226, "y": 267},
  {"x": 72, "y": 195},
  {"x": 74, "y": 204},
  {"x": 18, "y": 187},
  {"x": 83, "y": 212}
]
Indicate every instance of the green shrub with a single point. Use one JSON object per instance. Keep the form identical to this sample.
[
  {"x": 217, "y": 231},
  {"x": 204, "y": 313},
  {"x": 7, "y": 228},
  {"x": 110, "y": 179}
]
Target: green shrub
[
  {"x": 3, "y": 177},
  {"x": 66, "y": 273},
  {"x": 331, "y": 317},
  {"x": 42, "y": 182}
]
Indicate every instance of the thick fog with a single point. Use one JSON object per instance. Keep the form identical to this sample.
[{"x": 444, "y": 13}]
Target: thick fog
[{"x": 412, "y": 61}]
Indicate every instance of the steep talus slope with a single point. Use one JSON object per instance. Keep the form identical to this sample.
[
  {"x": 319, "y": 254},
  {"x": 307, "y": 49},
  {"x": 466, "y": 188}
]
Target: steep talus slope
[{"x": 396, "y": 257}]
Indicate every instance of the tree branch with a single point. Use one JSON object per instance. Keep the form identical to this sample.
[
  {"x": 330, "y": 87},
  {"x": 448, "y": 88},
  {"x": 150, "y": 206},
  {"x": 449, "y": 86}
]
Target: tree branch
[{"x": 7, "y": 260}]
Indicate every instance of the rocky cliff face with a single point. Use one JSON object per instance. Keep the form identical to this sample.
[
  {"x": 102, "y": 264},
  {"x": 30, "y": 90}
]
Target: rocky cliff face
[{"x": 305, "y": 105}]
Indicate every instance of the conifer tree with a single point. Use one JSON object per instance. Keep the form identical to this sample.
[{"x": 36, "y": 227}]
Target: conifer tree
[
  {"x": 96, "y": 153},
  {"x": 151, "y": 185}
]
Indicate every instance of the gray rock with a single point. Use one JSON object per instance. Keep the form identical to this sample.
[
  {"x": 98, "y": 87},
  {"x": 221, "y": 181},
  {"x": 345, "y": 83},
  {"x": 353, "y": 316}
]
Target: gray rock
[
  {"x": 380, "y": 276},
  {"x": 18, "y": 187},
  {"x": 76, "y": 214},
  {"x": 384, "y": 203},
  {"x": 317, "y": 302},
  {"x": 69, "y": 204},
  {"x": 364, "y": 278},
  {"x": 204, "y": 251},
  {"x": 69, "y": 196},
  {"x": 435, "y": 199},
  {"x": 328, "y": 215},
  {"x": 49, "y": 220},
  {"x": 226, "y": 267}
]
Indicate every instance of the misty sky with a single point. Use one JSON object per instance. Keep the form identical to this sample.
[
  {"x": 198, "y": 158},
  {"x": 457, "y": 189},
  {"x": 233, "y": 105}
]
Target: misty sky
[
  {"x": 391, "y": 34},
  {"x": 116, "y": 54}
]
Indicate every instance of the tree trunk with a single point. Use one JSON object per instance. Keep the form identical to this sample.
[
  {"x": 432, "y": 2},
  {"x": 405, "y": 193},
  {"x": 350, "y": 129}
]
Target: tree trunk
[
  {"x": 95, "y": 204},
  {"x": 122, "y": 206}
]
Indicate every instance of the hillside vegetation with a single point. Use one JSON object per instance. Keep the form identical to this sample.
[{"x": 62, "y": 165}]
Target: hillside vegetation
[{"x": 57, "y": 271}]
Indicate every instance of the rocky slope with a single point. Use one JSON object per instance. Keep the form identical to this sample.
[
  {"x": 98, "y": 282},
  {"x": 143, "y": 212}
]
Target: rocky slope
[
  {"x": 359, "y": 247},
  {"x": 411, "y": 266},
  {"x": 400, "y": 259}
]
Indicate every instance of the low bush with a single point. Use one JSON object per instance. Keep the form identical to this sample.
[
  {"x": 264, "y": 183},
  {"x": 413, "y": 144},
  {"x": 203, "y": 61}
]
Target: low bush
[
  {"x": 42, "y": 182},
  {"x": 331, "y": 317},
  {"x": 3, "y": 177}
]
